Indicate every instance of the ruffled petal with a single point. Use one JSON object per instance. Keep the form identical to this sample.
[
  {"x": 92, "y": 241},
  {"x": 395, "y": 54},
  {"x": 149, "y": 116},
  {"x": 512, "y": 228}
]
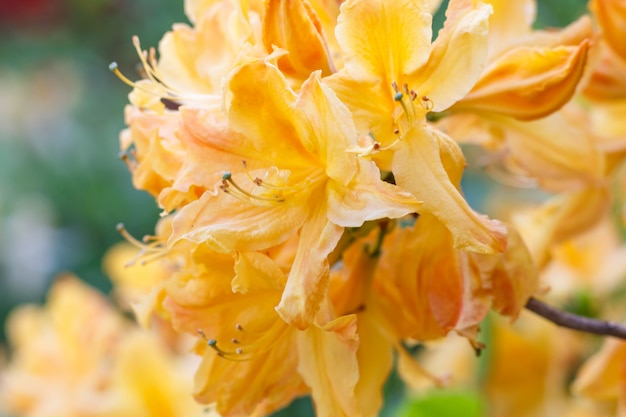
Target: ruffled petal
[
  {"x": 418, "y": 168},
  {"x": 458, "y": 55},
  {"x": 329, "y": 366},
  {"x": 290, "y": 24},
  {"x": 384, "y": 39},
  {"x": 528, "y": 82},
  {"x": 308, "y": 280},
  {"x": 367, "y": 198},
  {"x": 225, "y": 224}
]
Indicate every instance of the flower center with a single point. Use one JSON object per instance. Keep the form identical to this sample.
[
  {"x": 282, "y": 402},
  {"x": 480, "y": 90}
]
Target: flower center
[{"x": 263, "y": 188}]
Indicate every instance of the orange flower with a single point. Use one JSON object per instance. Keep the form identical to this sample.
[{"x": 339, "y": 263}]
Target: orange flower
[
  {"x": 295, "y": 175},
  {"x": 393, "y": 77}
]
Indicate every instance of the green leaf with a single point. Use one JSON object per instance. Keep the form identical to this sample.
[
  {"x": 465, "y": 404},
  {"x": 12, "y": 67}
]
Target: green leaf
[{"x": 443, "y": 403}]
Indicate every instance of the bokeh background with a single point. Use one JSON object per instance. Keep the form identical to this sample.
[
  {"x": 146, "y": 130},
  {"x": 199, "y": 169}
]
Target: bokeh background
[{"x": 63, "y": 188}]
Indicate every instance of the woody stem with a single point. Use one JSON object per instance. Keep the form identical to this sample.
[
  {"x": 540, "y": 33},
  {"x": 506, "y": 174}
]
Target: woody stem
[{"x": 575, "y": 322}]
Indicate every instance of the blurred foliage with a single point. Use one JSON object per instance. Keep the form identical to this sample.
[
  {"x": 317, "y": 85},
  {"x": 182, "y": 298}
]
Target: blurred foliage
[{"x": 62, "y": 187}]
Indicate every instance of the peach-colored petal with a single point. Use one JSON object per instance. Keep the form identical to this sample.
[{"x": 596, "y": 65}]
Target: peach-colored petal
[
  {"x": 290, "y": 24},
  {"x": 458, "y": 55},
  {"x": 528, "y": 82},
  {"x": 266, "y": 116},
  {"x": 512, "y": 19},
  {"x": 418, "y": 168},
  {"x": 372, "y": 373},
  {"x": 384, "y": 40},
  {"x": 611, "y": 15},
  {"x": 539, "y": 147},
  {"x": 327, "y": 129},
  {"x": 369, "y": 198},
  {"x": 225, "y": 224},
  {"x": 329, "y": 366},
  {"x": 255, "y": 271},
  {"x": 308, "y": 279},
  {"x": 602, "y": 376}
]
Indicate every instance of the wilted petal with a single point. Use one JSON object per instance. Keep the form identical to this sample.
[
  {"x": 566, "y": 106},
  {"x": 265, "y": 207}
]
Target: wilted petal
[{"x": 511, "y": 277}]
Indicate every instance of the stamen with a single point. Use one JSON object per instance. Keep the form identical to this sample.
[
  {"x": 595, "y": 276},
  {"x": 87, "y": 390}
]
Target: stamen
[
  {"x": 228, "y": 181},
  {"x": 155, "y": 248},
  {"x": 165, "y": 91},
  {"x": 261, "y": 183}
]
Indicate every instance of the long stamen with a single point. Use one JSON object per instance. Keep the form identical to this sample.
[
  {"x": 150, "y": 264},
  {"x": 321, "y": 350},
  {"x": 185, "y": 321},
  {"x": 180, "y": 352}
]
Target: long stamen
[
  {"x": 262, "y": 183},
  {"x": 151, "y": 72},
  {"x": 227, "y": 182},
  {"x": 154, "y": 248}
]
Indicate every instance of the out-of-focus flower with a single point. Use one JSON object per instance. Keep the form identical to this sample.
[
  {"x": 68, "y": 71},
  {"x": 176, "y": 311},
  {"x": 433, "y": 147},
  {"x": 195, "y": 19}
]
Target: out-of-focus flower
[
  {"x": 78, "y": 357},
  {"x": 602, "y": 377}
]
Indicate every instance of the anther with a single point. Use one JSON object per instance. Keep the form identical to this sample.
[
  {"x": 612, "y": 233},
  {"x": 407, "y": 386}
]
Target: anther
[{"x": 239, "y": 327}]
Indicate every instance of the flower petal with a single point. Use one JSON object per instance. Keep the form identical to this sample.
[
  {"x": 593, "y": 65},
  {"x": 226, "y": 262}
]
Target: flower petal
[
  {"x": 418, "y": 168},
  {"x": 384, "y": 39},
  {"x": 308, "y": 280},
  {"x": 225, "y": 224},
  {"x": 367, "y": 198},
  {"x": 529, "y": 82},
  {"x": 329, "y": 366},
  {"x": 290, "y": 24},
  {"x": 458, "y": 55}
]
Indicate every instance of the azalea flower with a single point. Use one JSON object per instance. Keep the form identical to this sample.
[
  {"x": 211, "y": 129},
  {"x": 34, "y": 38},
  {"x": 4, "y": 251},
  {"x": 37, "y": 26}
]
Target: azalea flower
[
  {"x": 410, "y": 285},
  {"x": 292, "y": 173},
  {"x": 393, "y": 77},
  {"x": 77, "y": 356},
  {"x": 601, "y": 378},
  {"x": 253, "y": 362},
  {"x": 530, "y": 75}
]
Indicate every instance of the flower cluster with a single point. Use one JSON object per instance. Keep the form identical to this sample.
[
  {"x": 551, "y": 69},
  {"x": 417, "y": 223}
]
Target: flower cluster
[{"x": 306, "y": 156}]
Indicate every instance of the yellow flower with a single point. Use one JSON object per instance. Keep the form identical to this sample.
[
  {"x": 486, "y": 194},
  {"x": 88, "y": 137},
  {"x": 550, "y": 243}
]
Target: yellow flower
[
  {"x": 292, "y": 172},
  {"x": 393, "y": 77},
  {"x": 528, "y": 74},
  {"x": 417, "y": 287},
  {"x": 253, "y": 362},
  {"x": 602, "y": 376},
  {"x": 78, "y": 357}
]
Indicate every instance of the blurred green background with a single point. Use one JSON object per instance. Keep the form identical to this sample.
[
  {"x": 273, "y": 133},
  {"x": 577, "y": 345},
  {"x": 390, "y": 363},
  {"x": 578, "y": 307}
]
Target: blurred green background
[{"x": 62, "y": 186}]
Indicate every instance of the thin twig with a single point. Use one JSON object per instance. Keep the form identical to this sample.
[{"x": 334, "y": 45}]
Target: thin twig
[{"x": 573, "y": 321}]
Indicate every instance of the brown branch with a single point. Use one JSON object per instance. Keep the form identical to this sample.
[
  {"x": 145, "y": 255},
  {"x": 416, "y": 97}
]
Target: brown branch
[{"x": 575, "y": 322}]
